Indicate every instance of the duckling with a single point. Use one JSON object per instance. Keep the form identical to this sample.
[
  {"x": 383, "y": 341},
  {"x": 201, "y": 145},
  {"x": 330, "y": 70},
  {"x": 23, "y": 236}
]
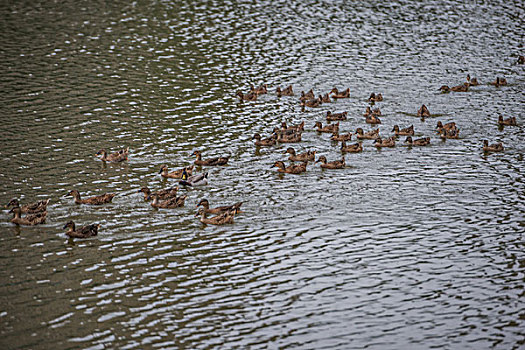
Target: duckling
[
  {"x": 170, "y": 203},
  {"x": 521, "y": 60},
  {"x": 177, "y": 174},
  {"x": 292, "y": 169},
  {"x": 423, "y": 112},
  {"x": 460, "y": 88},
  {"x": 259, "y": 141},
  {"x": 210, "y": 161},
  {"x": 115, "y": 157},
  {"x": 95, "y": 200},
  {"x": 449, "y": 133},
  {"x": 332, "y": 117},
  {"x": 83, "y": 232},
  {"x": 369, "y": 111},
  {"x": 325, "y": 98},
  {"x": 370, "y": 135},
  {"x": 31, "y": 208},
  {"x": 342, "y": 94},
  {"x": 403, "y": 132},
  {"x": 316, "y": 102},
  {"x": 419, "y": 142},
  {"x": 375, "y": 98},
  {"x": 307, "y": 96},
  {"x": 473, "y": 81},
  {"x": 372, "y": 119},
  {"x": 219, "y": 210},
  {"x": 355, "y": 148},
  {"x": 221, "y": 219},
  {"x": 344, "y": 137},
  {"x": 309, "y": 155},
  {"x": 389, "y": 142},
  {"x": 511, "y": 121},
  {"x": 495, "y": 147},
  {"x": 285, "y": 92},
  {"x": 162, "y": 194},
  {"x": 262, "y": 89},
  {"x": 499, "y": 82},
  {"x": 336, "y": 164},
  {"x": 29, "y": 220},
  {"x": 193, "y": 180},
  {"x": 247, "y": 97},
  {"x": 331, "y": 128}
]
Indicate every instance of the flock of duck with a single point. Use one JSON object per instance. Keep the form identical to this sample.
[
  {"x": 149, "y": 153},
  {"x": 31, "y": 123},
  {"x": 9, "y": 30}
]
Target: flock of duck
[{"x": 36, "y": 213}]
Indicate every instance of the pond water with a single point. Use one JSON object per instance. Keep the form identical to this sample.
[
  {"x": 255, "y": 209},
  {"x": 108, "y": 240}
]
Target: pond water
[{"x": 418, "y": 247}]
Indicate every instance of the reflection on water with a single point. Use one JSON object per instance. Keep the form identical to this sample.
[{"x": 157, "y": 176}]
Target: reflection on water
[{"x": 418, "y": 247}]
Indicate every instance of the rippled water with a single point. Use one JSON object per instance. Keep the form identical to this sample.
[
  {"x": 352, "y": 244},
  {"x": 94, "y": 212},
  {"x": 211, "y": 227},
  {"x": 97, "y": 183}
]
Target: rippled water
[{"x": 405, "y": 248}]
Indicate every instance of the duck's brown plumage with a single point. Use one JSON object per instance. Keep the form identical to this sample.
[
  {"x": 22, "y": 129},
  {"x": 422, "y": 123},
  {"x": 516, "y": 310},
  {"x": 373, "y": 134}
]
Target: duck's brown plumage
[
  {"x": 177, "y": 174},
  {"x": 83, "y": 232},
  {"x": 292, "y": 169},
  {"x": 330, "y": 128},
  {"x": 114, "y": 157},
  {"x": 340, "y": 94},
  {"x": 332, "y": 117},
  {"x": 219, "y": 210},
  {"x": 162, "y": 194},
  {"x": 259, "y": 141},
  {"x": 30, "y": 219},
  {"x": 221, "y": 219},
  {"x": 336, "y": 164},
  {"x": 423, "y": 112},
  {"x": 285, "y": 92},
  {"x": 418, "y": 142},
  {"x": 495, "y": 147},
  {"x": 30, "y": 208},
  {"x": 247, "y": 97},
  {"x": 375, "y": 97},
  {"x": 169, "y": 203},
  {"x": 389, "y": 142},
  {"x": 301, "y": 157},
  {"x": 408, "y": 131},
  {"x": 342, "y": 137},
  {"x": 372, "y": 119},
  {"x": 210, "y": 161},
  {"x": 355, "y": 148},
  {"x": 370, "y": 135},
  {"x": 511, "y": 121},
  {"x": 95, "y": 200}
]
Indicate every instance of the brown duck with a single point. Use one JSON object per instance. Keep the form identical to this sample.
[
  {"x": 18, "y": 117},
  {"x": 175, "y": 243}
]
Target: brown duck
[
  {"x": 247, "y": 97},
  {"x": 331, "y": 128},
  {"x": 355, "y": 148},
  {"x": 286, "y": 138},
  {"x": 260, "y": 90},
  {"x": 408, "y": 131},
  {"x": 162, "y": 194},
  {"x": 343, "y": 137},
  {"x": 447, "y": 126},
  {"x": 259, "y": 141},
  {"x": 83, "y": 232},
  {"x": 332, "y": 117},
  {"x": 325, "y": 98},
  {"x": 170, "y": 203},
  {"x": 343, "y": 94},
  {"x": 30, "y": 219},
  {"x": 210, "y": 161},
  {"x": 423, "y": 112},
  {"x": 495, "y": 147},
  {"x": 499, "y": 82},
  {"x": 370, "y": 135},
  {"x": 418, "y": 142},
  {"x": 336, "y": 164},
  {"x": 292, "y": 169},
  {"x": 375, "y": 98},
  {"x": 389, "y": 142},
  {"x": 449, "y": 133},
  {"x": 95, "y": 200},
  {"x": 221, "y": 219},
  {"x": 30, "y": 208},
  {"x": 307, "y": 96},
  {"x": 511, "y": 121},
  {"x": 285, "y": 92},
  {"x": 473, "y": 81},
  {"x": 115, "y": 157},
  {"x": 316, "y": 102},
  {"x": 369, "y": 111},
  {"x": 372, "y": 119},
  {"x": 306, "y": 156},
  {"x": 177, "y": 174},
  {"x": 219, "y": 210}
]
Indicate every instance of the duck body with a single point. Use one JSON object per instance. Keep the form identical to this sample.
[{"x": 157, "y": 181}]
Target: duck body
[
  {"x": 370, "y": 135},
  {"x": 375, "y": 98},
  {"x": 312, "y": 103},
  {"x": 162, "y": 194},
  {"x": 83, "y": 232},
  {"x": 115, "y": 157},
  {"x": 330, "y": 128},
  {"x": 194, "y": 180},
  {"x": 260, "y": 90},
  {"x": 332, "y": 117},
  {"x": 177, "y": 174},
  {"x": 418, "y": 142},
  {"x": 285, "y": 138},
  {"x": 337, "y": 164},
  {"x": 284, "y": 92},
  {"x": 452, "y": 133},
  {"x": 259, "y": 141},
  {"x": 247, "y": 97},
  {"x": 301, "y": 157},
  {"x": 219, "y": 210},
  {"x": 325, "y": 98},
  {"x": 369, "y": 111},
  {"x": 495, "y": 147},
  {"x": 340, "y": 94},
  {"x": 343, "y": 137},
  {"x": 355, "y": 148},
  {"x": 292, "y": 169},
  {"x": 460, "y": 88},
  {"x": 221, "y": 219},
  {"x": 473, "y": 81},
  {"x": 372, "y": 119},
  {"x": 389, "y": 142},
  {"x": 30, "y": 208},
  {"x": 508, "y": 121},
  {"x": 170, "y": 203},
  {"x": 210, "y": 161},
  {"x": 446, "y": 127},
  {"x": 95, "y": 200},
  {"x": 307, "y": 96},
  {"x": 28, "y": 220},
  {"x": 499, "y": 82},
  {"x": 408, "y": 131},
  {"x": 423, "y": 112}
]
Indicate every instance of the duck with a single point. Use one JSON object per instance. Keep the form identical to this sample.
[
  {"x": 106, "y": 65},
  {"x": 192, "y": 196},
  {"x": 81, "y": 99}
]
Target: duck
[
  {"x": 355, "y": 148},
  {"x": 30, "y": 208},
  {"x": 83, "y": 232},
  {"x": 343, "y": 137},
  {"x": 221, "y": 219},
  {"x": 521, "y": 60},
  {"x": 460, "y": 88},
  {"x": 372, "y": 119},
  {"x": 447, "y": 126},
  {"x": 259, "y": 141},
  {"x": 511, "y": 121},
  {"x": 370, "y": 135},
  {"x": 260, "y": 90},
  {"x": 28, "y": 220},
  {"x": 284, "y": 92},
  {"x": 292, "y": 128},
  {"x": 162, "y": 194},
  {"x": 95, "y": 200},
  {"x": 331, "y": 128},
  {"x": 449, "y": 133},
  {"x": 423, "y": 112},
  {"x": 289, "y": 138},
  {"x": 177, "y": 174},
  {"x": 444, "y": 89},
  {"x": 375, "y": 98},
  {"x": 115, "y": 157},
  {"x": 247, "y": 97},
  {"x": 170, "y": 203},
  {"x": 210, "y": 161},
  {"x": 309, "y": 155},
  {"x": 332, "y": 117},
  {"x": 389, "y": 142},
  {"x": 336, "y": 164},
  {"x": 307, "y": 96},
  {"x": 403, "y": 132},
  {"x": 499, "y": 82},
  {"x": 316, "y": 102},
  {"x": 342, "y": 94},
  {"x": 495, "y": 147},
  {"x": 219, "y": 210},
  {"x": 369, "y": 111},
  {"x": 292, "y": 169},
  {"x": 325, "y": 98},
  {"x": 473, "y": 81},
  {"x": 193, "y": 180},
  {"x": 418, "y": 142}
]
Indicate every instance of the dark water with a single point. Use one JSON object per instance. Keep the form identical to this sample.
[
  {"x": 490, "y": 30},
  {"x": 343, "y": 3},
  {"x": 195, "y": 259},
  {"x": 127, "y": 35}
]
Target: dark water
[{"x": 405, "y": 248}]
